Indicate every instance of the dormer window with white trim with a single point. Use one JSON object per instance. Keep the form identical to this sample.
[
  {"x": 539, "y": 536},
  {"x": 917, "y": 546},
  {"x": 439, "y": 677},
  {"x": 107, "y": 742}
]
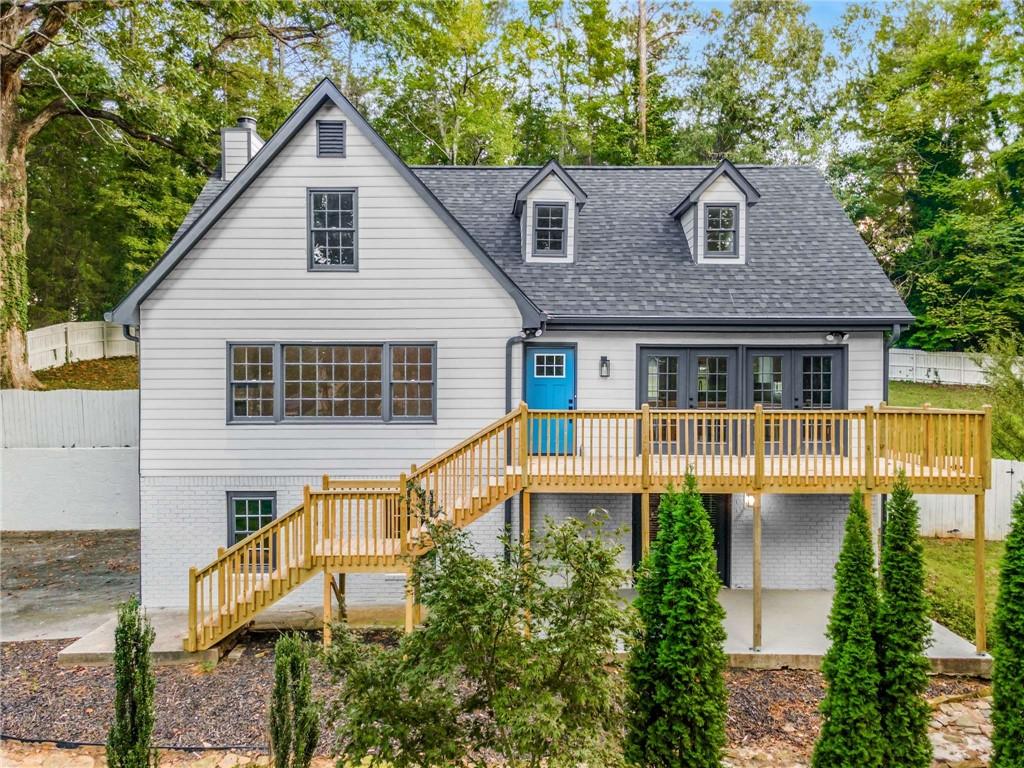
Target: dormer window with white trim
[
  {"x": 721, "y": 229},
  {"x": 549, "y": 233}
]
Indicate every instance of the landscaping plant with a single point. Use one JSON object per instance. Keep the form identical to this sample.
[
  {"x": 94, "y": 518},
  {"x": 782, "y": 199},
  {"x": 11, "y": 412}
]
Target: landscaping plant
[
  {"x": 474, "y": 681},
  {"x": 294, "y": 715},
  {"x": 851, "y": 732},
  {"x": 1008, "y": 671},
  {"x": 1004, "y": 375},
  {"x": 677, "y": 696},
  {"x": 903, "y": 630},
  {"x": 129, "y": 742}
]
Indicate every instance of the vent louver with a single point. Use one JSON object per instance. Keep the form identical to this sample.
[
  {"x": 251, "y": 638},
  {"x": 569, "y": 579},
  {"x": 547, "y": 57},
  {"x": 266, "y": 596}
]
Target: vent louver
[{"x": 330, "y": 138}]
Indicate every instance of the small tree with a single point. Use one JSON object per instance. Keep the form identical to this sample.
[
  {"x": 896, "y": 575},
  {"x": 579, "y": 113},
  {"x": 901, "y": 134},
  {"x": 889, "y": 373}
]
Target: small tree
[
  {"x": 1004, "y": 375},
  {"x": 903, "y": 630},
  {"x": 677, "y": 701},
  {"x": 850, "y": 733},
  {"x": 294, "y": 716},
  {"x": 129, "y": 742},
  {"x": 1008, "y": 671},
  {"x": 473, "y": 681}
]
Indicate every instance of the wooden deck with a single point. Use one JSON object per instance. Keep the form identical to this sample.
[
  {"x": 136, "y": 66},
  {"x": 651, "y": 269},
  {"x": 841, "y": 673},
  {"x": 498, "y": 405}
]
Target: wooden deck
[{"x": 375, "y": 525}]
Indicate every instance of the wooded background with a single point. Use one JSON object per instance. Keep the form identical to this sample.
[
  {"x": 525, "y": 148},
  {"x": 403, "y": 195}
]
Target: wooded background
[{"x": 914, "y": 110}]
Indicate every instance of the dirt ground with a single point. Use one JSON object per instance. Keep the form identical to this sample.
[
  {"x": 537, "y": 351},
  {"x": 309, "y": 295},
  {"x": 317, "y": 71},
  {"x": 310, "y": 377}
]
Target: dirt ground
[{"x": 64, "y": 584}]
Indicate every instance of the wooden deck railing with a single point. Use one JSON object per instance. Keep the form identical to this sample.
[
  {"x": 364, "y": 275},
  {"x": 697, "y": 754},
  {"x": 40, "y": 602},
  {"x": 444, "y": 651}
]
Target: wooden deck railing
[{"x": 376, "y": 524}]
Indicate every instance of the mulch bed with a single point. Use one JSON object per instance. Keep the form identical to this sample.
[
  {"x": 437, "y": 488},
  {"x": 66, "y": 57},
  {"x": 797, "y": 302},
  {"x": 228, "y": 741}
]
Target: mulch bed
[{"x": 227, "y": 706}]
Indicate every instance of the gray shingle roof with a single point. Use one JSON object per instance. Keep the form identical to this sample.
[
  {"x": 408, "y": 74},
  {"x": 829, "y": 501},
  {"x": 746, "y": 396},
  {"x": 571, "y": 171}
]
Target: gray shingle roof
[{"x": 805, "y": 258}]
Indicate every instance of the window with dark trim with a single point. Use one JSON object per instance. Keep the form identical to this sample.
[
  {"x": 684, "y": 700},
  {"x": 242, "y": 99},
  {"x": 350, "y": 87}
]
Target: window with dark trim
[
  {"x": 549, "y": 229},
  {"x": 721, "y": 230},
  {"x": 248, "y": 511},
  {"x": 350, "y": 381},
  {"x": 251, "y": 381},
  {"x": 332, "y": 229}
]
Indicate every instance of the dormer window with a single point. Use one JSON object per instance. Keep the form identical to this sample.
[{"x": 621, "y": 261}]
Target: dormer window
[
  {"x": 549, "y": 229},
  {"x": 720, "y": 225}
]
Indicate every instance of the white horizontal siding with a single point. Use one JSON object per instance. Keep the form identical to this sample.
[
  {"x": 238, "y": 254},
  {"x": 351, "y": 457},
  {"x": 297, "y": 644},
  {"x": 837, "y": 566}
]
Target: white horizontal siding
[
  {"x": 551, "y": 190},
  {"x": 722, "y": 190},
  {"x": 247, "y": 280},
  {"x": 864, "y": 361}
]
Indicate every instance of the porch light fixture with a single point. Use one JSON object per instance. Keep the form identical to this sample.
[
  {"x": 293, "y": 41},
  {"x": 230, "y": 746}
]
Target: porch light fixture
[
  {"x": 748, "y": 501},
  {"x": 835, "y": 337},
  {"x": 606, "y": 367}
]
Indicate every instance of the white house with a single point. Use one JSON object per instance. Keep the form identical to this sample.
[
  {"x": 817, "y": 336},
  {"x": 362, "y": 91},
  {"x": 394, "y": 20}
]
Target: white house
[{"x": 327, "y": 310}]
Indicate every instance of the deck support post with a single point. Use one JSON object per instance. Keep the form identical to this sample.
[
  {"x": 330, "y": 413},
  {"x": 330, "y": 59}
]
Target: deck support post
[
  {"x": 328, "y": 614},
  {"x": 524, "y": 519},
  {"x": 410, "y": 603},
  {"x": 645, "y": 523},
  {"x": 756, "y": 586},
  {"x": 869, "y": 510},
  {"x": 980, "y": 643},
  {"x": 191, "y": 643}
]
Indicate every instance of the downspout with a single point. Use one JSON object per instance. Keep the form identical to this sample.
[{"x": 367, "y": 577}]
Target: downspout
[
  {"x": 511, "y": 341},
  {"x": 127, "y": 331},
  {"x": 897, "y": 331}
]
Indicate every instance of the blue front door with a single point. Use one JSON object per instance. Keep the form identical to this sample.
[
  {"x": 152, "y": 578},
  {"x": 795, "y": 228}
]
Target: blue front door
[{"x": 551, "y": 385}]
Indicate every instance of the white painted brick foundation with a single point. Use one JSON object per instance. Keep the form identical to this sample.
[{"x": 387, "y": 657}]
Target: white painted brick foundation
[{"x": 559, "y": 507}]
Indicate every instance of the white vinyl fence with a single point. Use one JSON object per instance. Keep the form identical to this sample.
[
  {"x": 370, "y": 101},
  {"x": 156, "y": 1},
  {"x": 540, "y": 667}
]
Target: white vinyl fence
[
  {"x": 934, "y": 367},
  {"x": 69, "y": 460},
  {"x": 67, "y": 342},
  {"x": 953, "y": 516}
]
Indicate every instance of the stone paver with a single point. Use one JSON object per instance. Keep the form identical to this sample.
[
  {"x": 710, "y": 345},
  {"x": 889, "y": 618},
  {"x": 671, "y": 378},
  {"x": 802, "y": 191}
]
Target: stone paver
[{"x": 960, "y": 733}]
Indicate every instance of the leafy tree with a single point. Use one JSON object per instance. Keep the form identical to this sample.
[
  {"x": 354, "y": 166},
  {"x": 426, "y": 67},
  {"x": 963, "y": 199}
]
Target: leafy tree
[
  {"x": 903, "y": 630},
  {"x": 294, "y": 716},
  {"x": 850, "y": 733},
  {"x": 1004, "y": 375},
  {"x": 1008, "y": 671},
  {"x": 472, "y": 681},
  {"x": 677, "y": 699},
  {"x": 138, "y": 74},
  {"x": 129, "y": 742}
]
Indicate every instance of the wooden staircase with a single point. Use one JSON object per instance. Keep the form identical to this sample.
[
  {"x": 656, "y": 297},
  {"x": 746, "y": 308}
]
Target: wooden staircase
[{"x": 354, "y": 525}]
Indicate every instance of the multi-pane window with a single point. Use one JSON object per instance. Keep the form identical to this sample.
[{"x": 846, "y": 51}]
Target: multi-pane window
[
  {"x": 549, "y": 366},
  {"x": 412, "y": 381},
  {"x": 247, "y": 513},
  {"x": 332, "y": 229},
  {"x": 549, "y": 229},
  {"x": 712, "y": 381},
  {"x": 816, "y": 388},
  {"x": 663, "y": 381},
  {"x": 333, "y": 381},
  {"x": 720, "y": 230},
  {"x": 767, "y": 374},
  {"x": 252, "y": 381}
]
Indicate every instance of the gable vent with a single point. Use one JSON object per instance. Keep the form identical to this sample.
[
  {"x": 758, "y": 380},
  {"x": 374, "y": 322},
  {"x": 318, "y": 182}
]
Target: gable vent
[{"x": 330, "y": 138}]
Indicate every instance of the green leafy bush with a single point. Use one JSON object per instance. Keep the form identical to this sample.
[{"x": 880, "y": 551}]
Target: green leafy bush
[
  {"x": 903, "y": 630},
  {"x": 851, "y": 733},
  {"x": 129, "y": 742},
  {"x": 294, "y": 715},
  {"x": 677, "y": 697},
  {"x": 515, "y": 659},
  {"x": 1008, "y": 672}
]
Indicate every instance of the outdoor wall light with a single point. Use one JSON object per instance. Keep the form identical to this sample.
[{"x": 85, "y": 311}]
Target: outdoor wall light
[
  {"x": 606, "y": 367},
  {"x": 748, "y": 501},
  {"x": 834, "y": 337}
]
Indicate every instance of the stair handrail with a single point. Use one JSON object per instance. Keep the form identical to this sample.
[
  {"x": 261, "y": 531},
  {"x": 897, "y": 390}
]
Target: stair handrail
[
  {"x": 508, "y": 419},
  {"x": 275, "y": 523}
]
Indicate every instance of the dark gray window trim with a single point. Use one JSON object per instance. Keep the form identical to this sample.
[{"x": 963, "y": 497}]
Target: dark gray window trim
[
  {"x": 231, "y": 418},
  {"x": 310, "y": 266},
  {"x": 126, "y": 312},
  {"x": 560, "y": 255},
  {"x": 743, "y": 355},
  {"x": 735, "y": 252},
  {"x": 344, "y": 137},
  {"x": 254, "y": 493},
  {"x": 385, "y": 418}
]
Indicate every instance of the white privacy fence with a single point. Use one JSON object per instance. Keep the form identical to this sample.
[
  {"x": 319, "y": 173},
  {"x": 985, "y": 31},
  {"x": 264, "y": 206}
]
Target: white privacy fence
[
  {"x": 934, "y": 367},
  {"x": 67, "y": 342},
  {"x": 69, "y": 418},
  {"x": 953, "y": 516}
]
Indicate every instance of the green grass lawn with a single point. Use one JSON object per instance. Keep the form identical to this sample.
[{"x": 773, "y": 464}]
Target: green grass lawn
[
  {"x": 949, "y": 582},
  {"x": 110, "y": 373},
  {"x": 907, "y": 393}
]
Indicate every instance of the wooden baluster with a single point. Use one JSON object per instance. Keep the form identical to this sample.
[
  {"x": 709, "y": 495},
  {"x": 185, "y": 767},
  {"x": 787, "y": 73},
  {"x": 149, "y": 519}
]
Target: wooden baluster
[
  {"x": 869, "y": 447},
  {"x": 645, "y": 447},
  {"x": 758, "y": 446}
]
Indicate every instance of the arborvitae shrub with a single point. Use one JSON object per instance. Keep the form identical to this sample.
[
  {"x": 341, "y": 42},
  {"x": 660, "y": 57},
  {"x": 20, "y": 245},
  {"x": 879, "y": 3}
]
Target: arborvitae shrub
[
  {"x": 903, "y": 630},
  {"x": 129, "y": 743},
  {"x": 677, "y": 702},
  {"x": 1008, "y": 672},
  {"x": 294, "y": 715}
]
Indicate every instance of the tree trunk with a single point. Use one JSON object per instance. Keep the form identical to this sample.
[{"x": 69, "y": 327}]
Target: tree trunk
[
  {"x": 14, "y": 370},
  {"x": 641, "y": 77}
]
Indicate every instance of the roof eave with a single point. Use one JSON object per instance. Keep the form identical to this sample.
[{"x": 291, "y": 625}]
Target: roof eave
[{"x": 669, "y": 322}]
